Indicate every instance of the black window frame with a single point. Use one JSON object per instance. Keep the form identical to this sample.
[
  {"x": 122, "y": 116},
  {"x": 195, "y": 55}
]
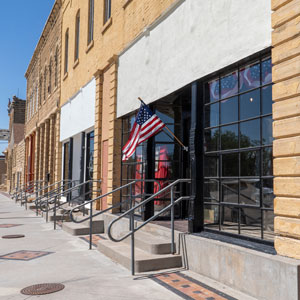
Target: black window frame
[{"x": 219, "y": 152}]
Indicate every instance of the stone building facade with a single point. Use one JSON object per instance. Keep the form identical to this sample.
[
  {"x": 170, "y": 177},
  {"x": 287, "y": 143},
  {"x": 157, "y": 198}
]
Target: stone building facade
[
  {"x": 15, "y": 152},
  {"x": 286, "y": 115},
  {"x": 3, "y": 170},
  {"x": 93, "y": 68},
  {"x": 42, "y": 147}
]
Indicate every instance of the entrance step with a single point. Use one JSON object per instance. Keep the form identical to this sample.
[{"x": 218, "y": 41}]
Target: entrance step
[
  {"x": 83, "y": 228},
  {"x": 59, "y": 217},
  {"x": 150, "y": 243},
  {"x": 144, "y": 261}
]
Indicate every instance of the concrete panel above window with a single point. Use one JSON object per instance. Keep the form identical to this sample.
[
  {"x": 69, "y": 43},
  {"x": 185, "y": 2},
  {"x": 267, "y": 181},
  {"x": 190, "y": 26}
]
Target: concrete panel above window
[
  {"x": 192, "y": 40},
  {"x": 78, "y": 114}
]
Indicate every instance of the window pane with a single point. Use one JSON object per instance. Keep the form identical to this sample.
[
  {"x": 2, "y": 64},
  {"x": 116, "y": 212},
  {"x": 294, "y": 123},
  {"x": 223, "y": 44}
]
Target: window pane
[
  {"x": 268, "y": 225},
  {"x": 266, "y": 71},
  {"x": 229, "y": 110},
  {"x": 230, "y": 165},
  {"x": 229, "y": 85},
  {"x": 211, "y": 142},
  {"x": 167, "y": 152},
  {"x": 250, "y": 133},
  {"x": 267, "y": 137},
  {"x": 229, "y": 137},
  {"x": 211, "y": 214},
  {"x": 230, "y": 191},
  {"x": 267, "y": 193},
  {"x": 165, "y": 113},
  {"x": 250, "y": 105},
  {"x": 212, "y": 115},
  {"x": 250, "y": 191},
  {"x": 229, "y": 219},
  {"x": 251, "y": 222},
  {"x": 250, "y": 77},
  {"x": 267, "y": 161},
  {"x": 266, "y": 100},
  {"x": 212, "y": 90},
  {"x": 211, "y": 191},
  {"x": 250, "y": 163},
  {"x": 163, "y": 137},
  {"x": 211, "y": 166}
]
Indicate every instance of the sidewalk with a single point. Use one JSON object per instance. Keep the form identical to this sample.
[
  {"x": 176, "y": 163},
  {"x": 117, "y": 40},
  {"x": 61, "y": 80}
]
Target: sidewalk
[{"x": 49, "y": 256}]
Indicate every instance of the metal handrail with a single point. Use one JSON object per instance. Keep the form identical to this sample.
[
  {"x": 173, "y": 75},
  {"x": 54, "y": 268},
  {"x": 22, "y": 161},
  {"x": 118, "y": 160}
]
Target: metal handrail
[
  {"x": 56, "y": 196},
  {"x": 49, "y": 195},
  {"x": 90, "y": 217},
  {"x": 131, "y": 212}
]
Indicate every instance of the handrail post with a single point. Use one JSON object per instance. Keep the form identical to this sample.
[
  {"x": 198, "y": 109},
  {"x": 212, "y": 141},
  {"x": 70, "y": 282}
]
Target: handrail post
[
  {"x": 46, "y": 210},
  {"x": 54, "y": 212},
  {"x": 91, "y": 225},
  {"x": 172, "y": 220},
  {"x": 132, "y": 233}
]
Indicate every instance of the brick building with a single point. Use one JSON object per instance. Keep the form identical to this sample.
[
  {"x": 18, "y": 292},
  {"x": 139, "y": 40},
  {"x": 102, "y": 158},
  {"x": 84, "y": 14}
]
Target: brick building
[
  {"x": 14, "y": 153},
  {"x": 3, "y": 170},
  {"x": 42, "y": 147},
  {"x": 225, "y": 78}
]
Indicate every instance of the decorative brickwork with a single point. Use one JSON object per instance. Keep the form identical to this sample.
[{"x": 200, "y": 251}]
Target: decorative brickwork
[{"x": 286, "y": 115}]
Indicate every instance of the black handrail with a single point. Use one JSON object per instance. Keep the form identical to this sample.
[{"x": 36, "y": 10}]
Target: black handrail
[
  {"x": 90, "y": 217},
  {"x": 131, "y": 213}
]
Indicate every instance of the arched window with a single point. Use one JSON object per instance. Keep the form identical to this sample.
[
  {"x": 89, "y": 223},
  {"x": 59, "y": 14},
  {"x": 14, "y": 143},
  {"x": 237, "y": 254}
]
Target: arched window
[
  {"x": 56, "y": 68},
  {"x": 107, "y": 10},
  {"x": 50, "y": 76},
  {"x": 41, "y": 90},
  {"x": 66, "y": 50},
  {"x": 45, "y": 83},
  {"x": 77, "y": 30},
  {"x": 91, "y": 21}
]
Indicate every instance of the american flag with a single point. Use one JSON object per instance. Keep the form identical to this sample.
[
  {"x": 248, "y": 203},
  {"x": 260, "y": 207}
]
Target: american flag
[
  {"x": 250, "y": 77},
  {"x": 146, "y": 125},
  {"x": 229, "y": 85}
]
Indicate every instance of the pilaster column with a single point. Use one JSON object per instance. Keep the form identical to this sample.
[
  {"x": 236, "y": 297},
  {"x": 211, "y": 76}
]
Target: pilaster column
[
  {"x": 58, "y": 149},
  {"x": 97, "y": 143}
]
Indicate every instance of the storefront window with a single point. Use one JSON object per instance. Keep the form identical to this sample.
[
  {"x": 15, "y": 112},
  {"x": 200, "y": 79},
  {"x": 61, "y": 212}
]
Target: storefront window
[{"x": 238, "y": 178}]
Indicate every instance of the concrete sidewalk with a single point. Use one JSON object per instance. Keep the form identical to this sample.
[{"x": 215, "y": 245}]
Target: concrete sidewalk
[{"x": 57, "y": 257}]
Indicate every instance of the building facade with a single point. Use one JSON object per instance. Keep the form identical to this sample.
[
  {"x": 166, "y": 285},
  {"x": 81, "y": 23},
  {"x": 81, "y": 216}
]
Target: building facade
[
  {"x": 42, "y": 147},
  {"x": 15, "y": 152}
]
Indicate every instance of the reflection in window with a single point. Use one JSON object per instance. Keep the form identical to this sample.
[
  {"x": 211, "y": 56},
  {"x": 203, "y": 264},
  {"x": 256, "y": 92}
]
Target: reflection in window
[
  {"x": 91, "y": 22},
  {"x": 229, "y": 137},
  {"x": 250, "y": 77},
  {"x": 250, "y": 105},
  {"x": 238, "y": 164},
  {"x": 229, "y": 110},
  {"x": 267, "y": 136},
  {"x": 212, "y": 115},
  {"x": 250, "y": 133},
  {"x": 229, "y": 85}
]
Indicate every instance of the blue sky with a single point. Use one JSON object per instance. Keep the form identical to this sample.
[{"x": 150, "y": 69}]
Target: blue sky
[{"x": 21, "y": 23}]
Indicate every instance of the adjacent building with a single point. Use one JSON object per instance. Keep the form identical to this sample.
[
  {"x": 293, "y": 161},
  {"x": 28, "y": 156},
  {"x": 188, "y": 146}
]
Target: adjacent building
[
  {"x": 15, "y": 152},
  {"x": 43, "y": 75}
]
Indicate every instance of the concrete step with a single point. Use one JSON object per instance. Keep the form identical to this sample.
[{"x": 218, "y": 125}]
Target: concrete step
[
  {"x": 83, "y": 228},
  {"x": 144, "y": 261},
  {"x": 150, "y": 243},
  {"x": 59, "y": 217}
]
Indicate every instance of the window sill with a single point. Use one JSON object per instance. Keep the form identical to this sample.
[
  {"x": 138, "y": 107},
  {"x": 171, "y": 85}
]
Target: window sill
[
  {"x": 107, "y": 25},
  {"x": 76, "y": 63},
  {"x": 89, "y": 46},
  {"x": 65, "y": 76},
  {"x": 126, "y": 2}
]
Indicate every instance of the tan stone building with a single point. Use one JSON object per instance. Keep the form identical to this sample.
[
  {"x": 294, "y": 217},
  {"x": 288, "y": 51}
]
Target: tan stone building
[
  {"x": 15, "y": 152},
  {"x": 3, "y": 171},
  {"x": 93, "y": 33},
  {"x": 42, "y": 145}
]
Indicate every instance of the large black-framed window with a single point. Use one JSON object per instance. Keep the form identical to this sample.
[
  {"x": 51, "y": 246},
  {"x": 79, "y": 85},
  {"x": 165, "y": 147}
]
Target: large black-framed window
[{"x": 238, "y": 178}]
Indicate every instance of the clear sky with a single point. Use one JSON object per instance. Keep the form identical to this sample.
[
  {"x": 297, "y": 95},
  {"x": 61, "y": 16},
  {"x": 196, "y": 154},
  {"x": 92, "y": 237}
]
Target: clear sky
[{"x": 21, "y": 23}]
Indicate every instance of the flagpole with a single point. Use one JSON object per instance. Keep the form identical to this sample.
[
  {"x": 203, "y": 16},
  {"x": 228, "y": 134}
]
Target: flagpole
[{"x": 175, "y": 137}]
